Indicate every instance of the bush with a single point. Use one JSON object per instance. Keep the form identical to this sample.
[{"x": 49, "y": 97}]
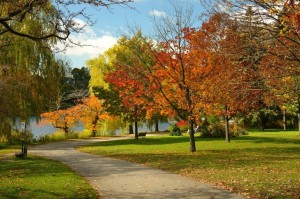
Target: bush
[
  {"x": 85, "y": 134},
  {"x": 58, "y": 135},
  {"x": 217, "y": 130},
  {"x": 175, "y": 130}
]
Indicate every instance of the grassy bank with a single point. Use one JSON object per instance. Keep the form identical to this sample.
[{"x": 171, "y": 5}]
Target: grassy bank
[
  {"x": 36, "y": 177},
  {"x": 259, "y": 165}
]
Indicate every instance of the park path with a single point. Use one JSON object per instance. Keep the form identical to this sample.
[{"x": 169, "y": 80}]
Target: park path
[{"x": 117, "y": 179}]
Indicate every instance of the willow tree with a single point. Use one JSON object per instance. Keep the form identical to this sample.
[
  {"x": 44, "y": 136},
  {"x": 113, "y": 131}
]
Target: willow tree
[
  {"x": 58, "y": 14},
  {"x": 30, "y": 76}
]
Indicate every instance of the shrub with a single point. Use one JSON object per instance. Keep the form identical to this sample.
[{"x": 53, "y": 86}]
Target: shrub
[
  {"x": 85, "y": 134},
  {"x": 58, "y": 135},
  {"x": 217, "y": 130},
  {"x": 175, "y": 130}
]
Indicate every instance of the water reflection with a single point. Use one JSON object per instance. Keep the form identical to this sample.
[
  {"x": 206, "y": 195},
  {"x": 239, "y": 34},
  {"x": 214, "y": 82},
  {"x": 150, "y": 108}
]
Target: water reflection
[{"x": 39, "y": 128}]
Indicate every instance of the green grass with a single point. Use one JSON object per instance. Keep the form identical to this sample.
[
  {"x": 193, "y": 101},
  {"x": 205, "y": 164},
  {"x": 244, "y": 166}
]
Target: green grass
[
  {"x": 36, "y": 177},
  {"x": 7, "y": 149},
  {"x": 259, "y": 165}
]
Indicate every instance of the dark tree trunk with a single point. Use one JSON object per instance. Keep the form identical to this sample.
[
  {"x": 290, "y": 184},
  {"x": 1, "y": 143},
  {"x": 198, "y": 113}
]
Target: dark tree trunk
[
  {"x": 299, "y": 122},
  {"x": 284, "y": 119},
  {"x": 95, "y": 122},
  {"x": 130, "y": 129},
  {"x": 192, "y": 137},
  {"x": 263, "y": 121},
  {"x": 66, "y": 128},
  {"x": 156, "y": 126},
  {"x": 299, "y": 116},
  {"x": 136, "y": 133},
  {"x": 227, "y": 133}
]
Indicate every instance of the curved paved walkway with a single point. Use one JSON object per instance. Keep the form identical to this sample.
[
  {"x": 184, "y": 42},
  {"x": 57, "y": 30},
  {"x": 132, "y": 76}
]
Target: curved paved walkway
[{"x": 116, "y": 179}]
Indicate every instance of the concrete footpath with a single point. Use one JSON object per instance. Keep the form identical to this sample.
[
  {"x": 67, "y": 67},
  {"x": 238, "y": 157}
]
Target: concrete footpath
[{"x": 117, "y": 179}]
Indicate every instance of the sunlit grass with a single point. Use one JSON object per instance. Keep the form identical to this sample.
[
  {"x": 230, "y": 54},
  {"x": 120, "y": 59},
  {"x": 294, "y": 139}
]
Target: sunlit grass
[
  {"x": 262, "y": 165},
  {"x": 36, "y": 177}
]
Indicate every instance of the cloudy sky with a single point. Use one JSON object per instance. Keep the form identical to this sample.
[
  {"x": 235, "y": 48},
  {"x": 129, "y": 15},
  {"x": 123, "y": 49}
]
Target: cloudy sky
[{"x": 110, "y": 24}]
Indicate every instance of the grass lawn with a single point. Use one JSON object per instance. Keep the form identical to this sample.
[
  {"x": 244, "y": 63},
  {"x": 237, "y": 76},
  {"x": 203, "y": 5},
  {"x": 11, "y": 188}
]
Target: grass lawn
[
  {"x": 258, "y": 165},
  {"x": 36, "y": 177}
]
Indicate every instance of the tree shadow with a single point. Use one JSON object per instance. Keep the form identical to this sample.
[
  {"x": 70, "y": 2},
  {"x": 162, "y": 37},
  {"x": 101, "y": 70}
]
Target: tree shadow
[{"x": 266, "y": 139}]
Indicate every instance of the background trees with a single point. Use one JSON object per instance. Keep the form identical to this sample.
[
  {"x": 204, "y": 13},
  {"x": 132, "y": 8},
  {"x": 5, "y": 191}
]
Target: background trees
[{"x": 30, "y": 72}]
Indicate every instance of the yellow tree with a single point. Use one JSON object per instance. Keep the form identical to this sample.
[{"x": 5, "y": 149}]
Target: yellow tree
[{"x": 92, "y": 113}]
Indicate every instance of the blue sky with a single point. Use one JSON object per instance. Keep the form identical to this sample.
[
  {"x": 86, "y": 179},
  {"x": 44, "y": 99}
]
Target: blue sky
[{"x": 111, "y": 23}]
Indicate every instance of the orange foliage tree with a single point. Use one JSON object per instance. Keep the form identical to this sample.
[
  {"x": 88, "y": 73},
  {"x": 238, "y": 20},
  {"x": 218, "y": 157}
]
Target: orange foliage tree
[
  {"x": 62, "y": 119},
  {"x": 131, "y": 81},
  {"x": 89, "y": 111},
  {"x": 164, "y": 78},
  {"x": 232, "y": 83}
]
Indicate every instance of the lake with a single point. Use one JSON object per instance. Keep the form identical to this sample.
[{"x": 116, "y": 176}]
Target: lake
[{"x": 41, "y": 128}]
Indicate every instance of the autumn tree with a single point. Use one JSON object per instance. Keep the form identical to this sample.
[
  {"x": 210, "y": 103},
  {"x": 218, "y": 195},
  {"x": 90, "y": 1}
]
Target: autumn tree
[
  {"x": 105, "y": 91},
  {"x": 88, "y": 111},
  {"x": 92, "y": 113},
  {"x": 162, "y": 72},
  {"x": 62, "y": 119}
]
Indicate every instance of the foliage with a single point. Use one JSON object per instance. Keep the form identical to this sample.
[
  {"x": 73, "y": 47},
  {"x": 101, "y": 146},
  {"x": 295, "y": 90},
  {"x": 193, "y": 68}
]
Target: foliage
[
  {"x": 74, "y": 87},
  {"x": 60, "y": 135},
  {"x": 174, "y": 130},
  {"x": 30, "y": 76},
  {"x": 217, "y": 130},
  {"x": 158, "y": 77},
  {"x": 35, "y": 177},
  {"x": 89, "y": 111},
  {"x": 62, "y": 119},
  {"x": 257, "y": 165},
  {"x": 92, "y": 113},
  {"x": 85, "y": 134}
]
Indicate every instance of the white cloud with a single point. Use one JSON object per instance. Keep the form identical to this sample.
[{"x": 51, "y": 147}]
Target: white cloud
[
  {"x": 157, "y": 13},
  {"x": 90, "y": 44}
]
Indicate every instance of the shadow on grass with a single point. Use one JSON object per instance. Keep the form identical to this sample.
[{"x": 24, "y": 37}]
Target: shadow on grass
[
  {"x": 237, "y": 158},
  {"x": 185, "y": 139},
  {"x": 265, "y": 139},
  {"x": 145, "y": 141},
  {"x": 28, "y": 167}
]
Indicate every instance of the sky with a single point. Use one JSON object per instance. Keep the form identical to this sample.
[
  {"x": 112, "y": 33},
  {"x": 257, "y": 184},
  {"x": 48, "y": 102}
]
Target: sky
[{"x": 110, "y": 24}]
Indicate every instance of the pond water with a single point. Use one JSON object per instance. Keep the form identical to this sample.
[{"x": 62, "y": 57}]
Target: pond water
[{"x": 40, "y": 128}]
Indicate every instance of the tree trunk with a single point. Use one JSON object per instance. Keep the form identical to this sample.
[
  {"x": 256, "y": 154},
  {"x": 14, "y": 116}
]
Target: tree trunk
[
  {"x": 7, "y": 131},
  {"x": 130, "y": 129},
  {"x": 66, "y": 128},
  {"x": 95, "y": 122},
  {"x": 299, "y": 120},
  {"x": 284, "y": 119},
  {"x": 263, "y": 121},
  {"x": 227, "y": 133},
  {"x": 136, "y": 133},
  {"x": 156, "y": 126},
  {"x": 192, "y": 137}
]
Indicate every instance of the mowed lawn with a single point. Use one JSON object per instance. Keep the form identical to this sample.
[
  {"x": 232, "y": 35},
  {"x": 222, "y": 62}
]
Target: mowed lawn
[
  {"x": 258, "y": 165},
  {"x": 37, "y": 177}
]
